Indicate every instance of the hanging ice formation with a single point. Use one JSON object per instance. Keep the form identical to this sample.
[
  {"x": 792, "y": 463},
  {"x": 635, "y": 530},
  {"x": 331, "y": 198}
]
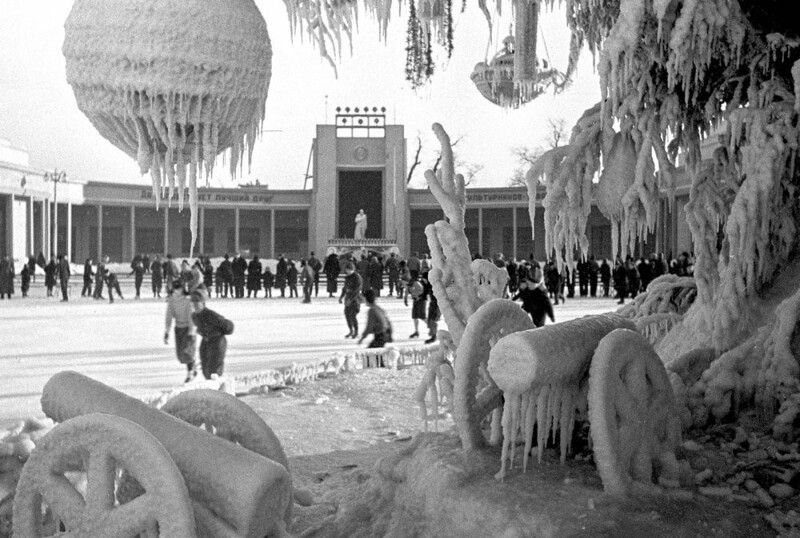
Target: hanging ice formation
[
  {"x": 542, "y": 374},
  {"x": 172, "y": 83}
]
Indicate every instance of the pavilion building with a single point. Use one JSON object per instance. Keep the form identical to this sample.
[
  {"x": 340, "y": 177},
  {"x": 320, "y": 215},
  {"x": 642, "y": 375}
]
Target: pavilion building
[{"x": 359, "y": 162}]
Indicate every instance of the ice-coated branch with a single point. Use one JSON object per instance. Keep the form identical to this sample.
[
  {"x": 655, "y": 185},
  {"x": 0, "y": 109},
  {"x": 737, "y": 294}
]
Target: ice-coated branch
[{"x": 446, "y": 185}]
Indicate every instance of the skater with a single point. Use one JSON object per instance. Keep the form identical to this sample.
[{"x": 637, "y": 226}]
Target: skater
[
  {"x": 112, "y": 283},
  {"x": 309, "y": 274},
  {"x": 269, "y": 281},
  {"x": 226, "y": 273},
  {"x": 137, "y": 270},
  {"x": 620, "y": 281},
  {"x": 87, "y": 278},
  {"x": 434, "y": 314},
  {"x": 419, "y": 302},
  {"x": 291, "y": 277},
  {"x": 351, "y": 297},
  {"x": 179, "y": 308},
  {"x": 378, "y": 324},
  {"x": 156, "y": 278},
  {"x": 6, "y": 277},
  {"x": 253, "y": 277},
  {"x": 238, "y": 267},
  {"x": 332, "y": 270},
  {"x": 316, "y": 265},
  {"x": 100, "y": 280},
  {"x": 63, "y": 276},
  {"x": 535, "y": 301},
  {"x": 393, "y": 268},
  {"x": 212, "y": 327},
  {"x": 25, "y": 280},
  {"x": 50, "y": 276},
  {"x": 281, "y": 272}
]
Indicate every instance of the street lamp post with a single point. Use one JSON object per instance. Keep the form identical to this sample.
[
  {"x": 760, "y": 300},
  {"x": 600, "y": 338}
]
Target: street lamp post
[{"x": 56, "y": 177}]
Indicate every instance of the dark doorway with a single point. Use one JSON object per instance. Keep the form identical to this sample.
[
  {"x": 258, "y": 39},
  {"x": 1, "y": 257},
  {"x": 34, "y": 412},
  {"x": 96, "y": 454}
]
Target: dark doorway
[{"x": 361, "y": 189}]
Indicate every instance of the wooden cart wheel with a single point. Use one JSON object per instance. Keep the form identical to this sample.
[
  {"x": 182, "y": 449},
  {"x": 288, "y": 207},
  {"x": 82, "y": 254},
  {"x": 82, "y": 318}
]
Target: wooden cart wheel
[
  {"x": 228, "y": 417},
  {"x": 99, "y": 445},
  {"x": 632, "y": 415}
]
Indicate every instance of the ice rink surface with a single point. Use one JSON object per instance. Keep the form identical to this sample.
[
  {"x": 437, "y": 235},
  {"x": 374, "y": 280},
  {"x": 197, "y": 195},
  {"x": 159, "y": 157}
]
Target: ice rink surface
[{"x": 121, "y": 344}]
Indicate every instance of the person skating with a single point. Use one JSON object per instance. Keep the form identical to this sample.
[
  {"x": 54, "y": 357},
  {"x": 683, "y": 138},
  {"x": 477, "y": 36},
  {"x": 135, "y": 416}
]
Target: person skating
[
  {"x": 620, "y": 281},
  {"x": 269, "y": 281},
  {"x": 100, "y": 278},
  {"x": 50, "y": 271},
  {"x": 137, "y": 270},
  {"x": 332, "y": 269},
  {"x": 87, "y": 278},
  {"x": 112, "y": 283},
  {"x": 419, "y": 302},
  {"x": 291, "y": 278},
  {"x": 156, "y": 277},
  {"x": 535, "y": 301},
  {"x": 393, "y": 269},
  {"x": 378, "y": 324},
  {"x": 213, "y": 328},
  {"x": 351, "y": 297},
  {"x": 308, "y": 274},
  {"x": 281, "y": 272},
  {"x": 316, "y": 265},
  {"x": 254, "y": 277},
  {"x": 226, "y": 274},
  {"x": 238, "y": 266},
  {"x": 180, "y": 309},
  {"x": 25, "y": 280},
  {"x": 64, "y": 273},
  {"x": 434, "y": 314}
]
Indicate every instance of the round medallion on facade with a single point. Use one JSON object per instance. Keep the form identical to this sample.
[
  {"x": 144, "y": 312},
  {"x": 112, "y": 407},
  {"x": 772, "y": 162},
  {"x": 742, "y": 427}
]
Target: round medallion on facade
[{"x": 360, "y": 153}]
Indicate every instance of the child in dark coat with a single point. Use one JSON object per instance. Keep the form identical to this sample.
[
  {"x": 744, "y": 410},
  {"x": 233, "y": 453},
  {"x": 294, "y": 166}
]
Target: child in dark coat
[
  {"x": 212, "y": 327},
  {"x": 535, "y": 302}
]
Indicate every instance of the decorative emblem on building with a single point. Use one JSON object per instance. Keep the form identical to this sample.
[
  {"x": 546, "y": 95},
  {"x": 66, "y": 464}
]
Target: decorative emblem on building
[{"x": 360, "y": 153}]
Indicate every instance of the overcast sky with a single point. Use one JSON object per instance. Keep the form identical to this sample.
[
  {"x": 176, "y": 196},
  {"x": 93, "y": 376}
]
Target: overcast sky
[{"x": 38, "y": 110}]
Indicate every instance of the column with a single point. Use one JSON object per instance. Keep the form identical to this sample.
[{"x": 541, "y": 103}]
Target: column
[
  {"x": 100, "y": 232},
  {"x": 32, "y": 228},
  {"x": 272, "y": 234},
  {"x": 236, "y": 228},
  {"x": 514, "y": 232},
  {"x": 68, "y": 253},
  {"x": 49, "y": 235},
  {"x": 133, "y": 231},
  {"x": 480, "y": 232},
  {"x": 166, "y": 230},
  {"x": 44, "y": 227},
  {"x": 202, "y": 224}
]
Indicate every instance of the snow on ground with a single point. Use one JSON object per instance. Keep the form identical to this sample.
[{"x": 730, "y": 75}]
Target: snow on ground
[{"x": 121, "y": 344}]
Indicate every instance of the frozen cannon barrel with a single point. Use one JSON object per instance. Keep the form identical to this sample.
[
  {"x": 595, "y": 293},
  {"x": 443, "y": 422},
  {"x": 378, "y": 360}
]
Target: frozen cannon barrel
[
  {"x": 541, "y": 373},
  {"x": 235, "y": 491}
]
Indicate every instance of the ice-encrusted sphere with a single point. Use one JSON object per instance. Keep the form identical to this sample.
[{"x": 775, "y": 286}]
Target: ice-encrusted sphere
[{"x": 172, "y": 83}]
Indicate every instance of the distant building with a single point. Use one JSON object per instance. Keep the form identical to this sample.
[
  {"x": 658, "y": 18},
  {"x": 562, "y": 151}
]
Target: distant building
[{"x": 359, "y": 162}]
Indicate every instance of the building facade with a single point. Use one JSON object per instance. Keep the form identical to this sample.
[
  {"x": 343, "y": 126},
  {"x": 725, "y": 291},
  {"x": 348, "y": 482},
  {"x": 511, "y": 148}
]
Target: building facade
[{"x": 358, "y": 163}]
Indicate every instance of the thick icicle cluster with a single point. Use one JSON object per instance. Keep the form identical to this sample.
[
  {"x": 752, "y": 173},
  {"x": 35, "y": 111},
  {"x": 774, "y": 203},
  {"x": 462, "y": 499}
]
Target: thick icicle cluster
[
  {"x": 171, "y": 83},
  {"x": 542, "y": 375},
  {"x": 662, "y": 306}
]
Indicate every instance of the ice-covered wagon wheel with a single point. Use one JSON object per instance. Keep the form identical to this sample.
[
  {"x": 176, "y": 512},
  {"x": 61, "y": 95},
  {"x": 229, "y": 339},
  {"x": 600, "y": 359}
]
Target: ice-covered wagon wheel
[
  {"x": 633, "y": 421},
  {"x": 99, "y": 445}
]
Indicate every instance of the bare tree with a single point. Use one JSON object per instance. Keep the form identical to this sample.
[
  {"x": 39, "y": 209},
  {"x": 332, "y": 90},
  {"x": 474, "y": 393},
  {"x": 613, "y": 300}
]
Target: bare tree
[
  {"x": 526, "y": 156},
  {"x": 416, "y": 162}
]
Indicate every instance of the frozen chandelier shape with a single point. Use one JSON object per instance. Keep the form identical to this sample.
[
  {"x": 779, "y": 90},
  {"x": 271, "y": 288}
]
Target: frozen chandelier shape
[{"x": 172, "y": 83}]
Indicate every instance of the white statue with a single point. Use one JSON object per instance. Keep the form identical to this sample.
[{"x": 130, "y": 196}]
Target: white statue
[{"x": 361, "y": 225}]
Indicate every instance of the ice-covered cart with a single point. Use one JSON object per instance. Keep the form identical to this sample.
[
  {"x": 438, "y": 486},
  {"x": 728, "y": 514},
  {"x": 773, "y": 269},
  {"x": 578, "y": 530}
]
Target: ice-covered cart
[{"x": 115, "y": 467}]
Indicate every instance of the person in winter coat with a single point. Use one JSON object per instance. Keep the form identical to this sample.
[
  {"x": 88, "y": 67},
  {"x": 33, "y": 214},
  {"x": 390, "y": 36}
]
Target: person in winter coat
[
  {"x": 375, "y": 271},
  {"x": 238, "y": 266},
  {"x": 404, "y": 279},
  {"x": 180, "y": 309},
  {"x": 100, "y": 278},
  {"x": 138, "y": 276},
  {"x": 393, "y": 268},
  {"x": 213, "y": 328},
  {"x": 553, "y": 279},
  {"x": 620, "y": 281},
  {"x": 593, "y": 269},
  {"x": 281, "y": 273},
  {"x": 208, "y": 274},
  {"x": 112, "y": 282},
  {"x": 632, "y": 275},
  {"x": 7, "y": 277},
  {"x": 362, "y": 267},
  {"x": 87, "y": 278},
  {"x": 332, "y": 270},
  {"x": 32, "y": 267},
  {"x": 195, "y": 281},
  {"x": 156, "y": 277},
  {"x": 171, "y": 273},
  {"x": 308, "y": 274},
  {"x": 378, "y": 324},
  {"x": 434, "y": 314},
  {"x": 254, "y": 277},
  {"x": 419, "y": 302},
  {"x": 605, "y": 277},
  {"x": 351, "y": 297},
  {"x": 226, "y": 273},
  {"x": 316, "y": 265},
  {"x": 50, "y": 271},
  {"x": 535, "y": 302},
  {"x": 64, "y": 273},
  {"x": 269, "y": 281},
  {"x": 291, "y": 278},
  {"x": 25, "y": 280}
]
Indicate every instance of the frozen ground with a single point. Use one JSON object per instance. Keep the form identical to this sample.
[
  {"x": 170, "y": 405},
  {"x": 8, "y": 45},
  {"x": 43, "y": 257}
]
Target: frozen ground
[{"x": 121, "y": 344}]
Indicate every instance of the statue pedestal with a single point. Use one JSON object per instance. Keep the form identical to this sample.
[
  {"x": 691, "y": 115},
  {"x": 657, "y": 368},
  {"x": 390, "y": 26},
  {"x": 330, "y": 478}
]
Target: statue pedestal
[{"x": 355, "y": 247}]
